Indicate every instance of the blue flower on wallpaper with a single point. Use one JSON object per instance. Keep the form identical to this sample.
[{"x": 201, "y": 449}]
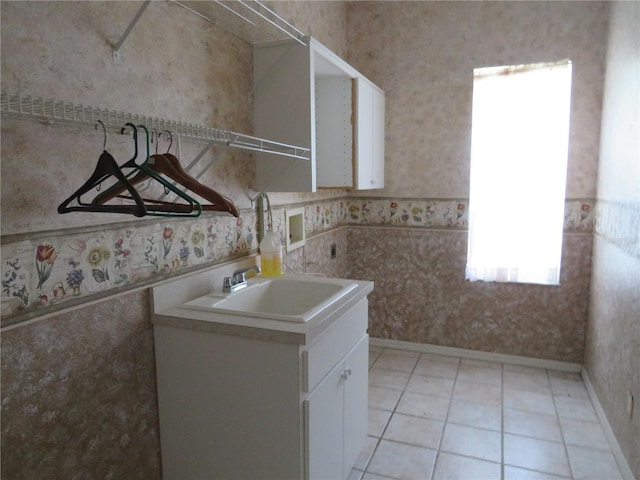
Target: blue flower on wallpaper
[
  {"x": 74, "y": 277},
  {"x": 13, "y": 283}
]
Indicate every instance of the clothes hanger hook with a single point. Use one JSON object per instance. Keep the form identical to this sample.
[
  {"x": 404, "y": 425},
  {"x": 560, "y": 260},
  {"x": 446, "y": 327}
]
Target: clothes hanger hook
[
  {"x": 146, "y": 130},
  {"x": 170, "y": 139},
  {"x": 154, "y": 134},
  {"x": 104, "y": 130},
  {"x": 135, "y": 137}
]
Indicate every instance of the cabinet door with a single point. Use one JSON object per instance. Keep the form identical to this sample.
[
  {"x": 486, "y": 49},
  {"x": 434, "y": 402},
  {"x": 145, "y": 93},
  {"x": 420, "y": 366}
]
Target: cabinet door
[
  {"x": 324, "y": 429},
  {"x": 283, "y": 99},
  {"x": 378, "y": 138},
  {"x": 370, "y": 112},
  {"x": 336, "y": 416},
  {"x": 356, "y": 403}
]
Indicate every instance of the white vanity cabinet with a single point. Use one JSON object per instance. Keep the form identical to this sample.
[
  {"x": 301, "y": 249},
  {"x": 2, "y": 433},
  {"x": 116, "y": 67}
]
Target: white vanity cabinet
[
  {"x": 308, "y": 96},
  {"x": 335, "y": 421},
  {"x": 240, "y": 398}
]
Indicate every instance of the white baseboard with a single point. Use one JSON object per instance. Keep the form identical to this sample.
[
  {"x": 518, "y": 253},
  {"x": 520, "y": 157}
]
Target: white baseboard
[
  {"x": 627, "y": 474},
  {"x": 478, "y": 355}
]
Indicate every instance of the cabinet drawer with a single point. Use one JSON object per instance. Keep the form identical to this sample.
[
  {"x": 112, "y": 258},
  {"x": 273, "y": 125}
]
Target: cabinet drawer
[{"x": 333, "y": 345}]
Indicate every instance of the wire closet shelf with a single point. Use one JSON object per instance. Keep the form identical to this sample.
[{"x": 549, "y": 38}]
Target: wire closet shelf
[{"x": 49, "y": 111}]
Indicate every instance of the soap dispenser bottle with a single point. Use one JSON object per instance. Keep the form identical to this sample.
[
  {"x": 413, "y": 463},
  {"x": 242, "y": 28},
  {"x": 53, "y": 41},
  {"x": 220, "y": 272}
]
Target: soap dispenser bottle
[{"x": 271, "y": 255}]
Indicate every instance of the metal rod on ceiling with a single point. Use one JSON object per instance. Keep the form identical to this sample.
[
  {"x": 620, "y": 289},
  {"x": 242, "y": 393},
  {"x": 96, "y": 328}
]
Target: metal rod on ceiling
[{"x": 116, "y": 49}]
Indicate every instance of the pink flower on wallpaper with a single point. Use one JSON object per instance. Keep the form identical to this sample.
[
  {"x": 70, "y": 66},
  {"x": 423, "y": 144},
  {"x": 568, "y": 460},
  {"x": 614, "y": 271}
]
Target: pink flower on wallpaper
[{"x": 168, "y": 234}]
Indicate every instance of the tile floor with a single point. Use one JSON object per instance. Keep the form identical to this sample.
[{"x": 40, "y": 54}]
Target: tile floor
[{"x": 434, "y": 417}]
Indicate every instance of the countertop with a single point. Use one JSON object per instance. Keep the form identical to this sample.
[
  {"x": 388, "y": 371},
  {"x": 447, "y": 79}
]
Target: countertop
[{"x": 244, "y": 326}]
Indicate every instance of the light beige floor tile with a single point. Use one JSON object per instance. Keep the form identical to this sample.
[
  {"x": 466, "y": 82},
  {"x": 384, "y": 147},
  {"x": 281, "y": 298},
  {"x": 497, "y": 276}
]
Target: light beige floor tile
[
  {"x": 423, "y": 432},
  {"x": 584, "y": 434},
  {"x": 420, "y": 405},
  {"x": 476, "y": 415},
  {"x": 401, "y": 352},
  {"x": 373, "y": 476},
  {"x": 535, "y": 454},
  {"x": 472, "y": 442},
  {"x": 516, "y": 473},
  {"x": 365, "y": 454},
  {"x": 527, "y": 401},
  {"x": 355, "y": 475},
  {"x": 378, "y": 420},
  {"x": 568, "y": 387},
  {"x": 434, "y": 368},
  {"x": 524, "y": 369},
  {"x": 540, "y": 409},
  {"x": 373, "y": 355},
  {"x": 562, "y": 374},
  {"x": 439, "y": 387},
  {"x": 400, "y": 363},
  {"x": 576, "y": 408},
  {"x": 485, "y": 375},
  {"x": 477, "y": 393},
  {"x": 440, "y": 358},
  {"x": 481, "y": 363},
  {"x": 388, "y": 378},
  {"x": 526, "y": 381},
  {"x": 590, "y": 464},
  {"x": 449, "y": 467},
  {"x": 398, "y": 460},
  {"x": 383, "y": 398},
  {"x": 536, "y": 425}
]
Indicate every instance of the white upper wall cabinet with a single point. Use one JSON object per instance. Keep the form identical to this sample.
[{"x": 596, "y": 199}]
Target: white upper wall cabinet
[
  {"x": 308, "y": 96},
  {"x": 369, "y": 151}
]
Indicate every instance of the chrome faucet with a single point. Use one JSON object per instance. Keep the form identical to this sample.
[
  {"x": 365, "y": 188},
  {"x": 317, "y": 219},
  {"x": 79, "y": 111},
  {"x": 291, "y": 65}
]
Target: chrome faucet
[{"x": 238, "y": 280}]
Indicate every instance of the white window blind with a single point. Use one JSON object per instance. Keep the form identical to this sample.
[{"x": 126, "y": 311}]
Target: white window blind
[{"x": 519, "y": 149}]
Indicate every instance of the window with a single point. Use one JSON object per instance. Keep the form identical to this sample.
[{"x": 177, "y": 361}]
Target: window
[{"x": 519, "y": 149}]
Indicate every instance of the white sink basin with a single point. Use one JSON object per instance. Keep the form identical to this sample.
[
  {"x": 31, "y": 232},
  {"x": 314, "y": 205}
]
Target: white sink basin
[{"x": 283, "y": 298}]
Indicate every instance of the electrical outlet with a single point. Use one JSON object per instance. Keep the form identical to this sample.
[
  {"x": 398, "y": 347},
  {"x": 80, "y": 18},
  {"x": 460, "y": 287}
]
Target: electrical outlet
[
  {"x": 333, "y": 250},
  {"x": 630, "y": 405}
]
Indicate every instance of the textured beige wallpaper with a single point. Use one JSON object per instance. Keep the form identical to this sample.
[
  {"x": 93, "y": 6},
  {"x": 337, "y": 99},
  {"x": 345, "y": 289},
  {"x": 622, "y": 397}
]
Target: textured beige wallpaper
[
  {"x": 612, "y": 357},
  {"x": 79, "y": 395},
  {"x": 175, "y": 65},
  {"x": 421, "y": 296},
  {"x": 422, "y": 54},
  {"x": 78, "y": 389}
]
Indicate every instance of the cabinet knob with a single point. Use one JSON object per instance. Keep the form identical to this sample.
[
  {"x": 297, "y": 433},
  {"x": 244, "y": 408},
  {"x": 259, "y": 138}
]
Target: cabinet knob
[{"x": 346, "y": 373}]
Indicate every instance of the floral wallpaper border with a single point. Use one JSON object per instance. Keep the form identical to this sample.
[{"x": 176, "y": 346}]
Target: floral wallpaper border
[
  {"x": 50, "y": 270},
  {"x": 453, "y": 213},
  {"x": 619, "y": 224}
]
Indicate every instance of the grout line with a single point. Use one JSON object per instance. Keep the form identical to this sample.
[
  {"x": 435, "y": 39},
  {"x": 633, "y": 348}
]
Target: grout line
[
  {"x": 564, "y": 443},
  {"x": 446, "y": 419},
  {"x": 502, "y": 472}
]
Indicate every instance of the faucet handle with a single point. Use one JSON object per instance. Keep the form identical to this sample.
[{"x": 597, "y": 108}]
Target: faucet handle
[{"x": 239, "y": 277}]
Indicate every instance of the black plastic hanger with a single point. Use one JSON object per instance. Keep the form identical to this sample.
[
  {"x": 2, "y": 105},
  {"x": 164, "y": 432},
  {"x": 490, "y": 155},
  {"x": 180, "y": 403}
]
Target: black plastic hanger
[
  {"x": 106, "y": 167},
  {"x": 169, "y": 165},
  {"x": 154, "y": 207}
]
